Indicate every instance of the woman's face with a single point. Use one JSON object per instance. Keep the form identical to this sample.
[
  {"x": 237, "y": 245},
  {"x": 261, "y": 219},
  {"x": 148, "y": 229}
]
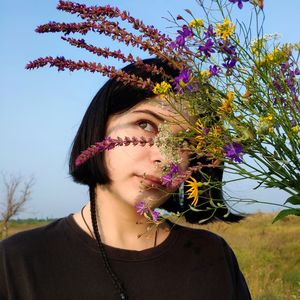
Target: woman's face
[{"x": 135, "y": 171}]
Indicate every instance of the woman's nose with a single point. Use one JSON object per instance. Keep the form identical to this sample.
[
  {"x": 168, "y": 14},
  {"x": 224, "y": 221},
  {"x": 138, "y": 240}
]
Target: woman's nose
[{"x": 155, "y": 155}]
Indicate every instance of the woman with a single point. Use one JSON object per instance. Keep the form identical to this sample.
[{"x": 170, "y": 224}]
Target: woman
[{"x": 108, "y": 250}]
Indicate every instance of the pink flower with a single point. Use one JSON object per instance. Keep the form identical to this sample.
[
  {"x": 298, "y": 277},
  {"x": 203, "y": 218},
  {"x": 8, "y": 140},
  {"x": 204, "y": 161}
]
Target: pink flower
[{"x": 141, "y": 207}]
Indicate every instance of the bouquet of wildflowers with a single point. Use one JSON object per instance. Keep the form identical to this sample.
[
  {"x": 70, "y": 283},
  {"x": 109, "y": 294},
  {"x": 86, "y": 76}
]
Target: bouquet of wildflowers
[{"x": 244, "y": 87}]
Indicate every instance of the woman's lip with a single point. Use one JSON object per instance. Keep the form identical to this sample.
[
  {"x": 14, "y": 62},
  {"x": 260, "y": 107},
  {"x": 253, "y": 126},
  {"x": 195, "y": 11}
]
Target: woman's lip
[{"x": 153, "y": 179}]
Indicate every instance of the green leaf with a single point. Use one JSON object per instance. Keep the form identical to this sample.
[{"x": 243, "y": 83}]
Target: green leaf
[
  {"x": 295, "y": 199},
  {"x": 192, "y": 208},
  {"x": 286, "y": 212},
  {"x": 227, "y": 214},
  {"x": 204, "y": 220},
  {"x": 211, "y": 202}
]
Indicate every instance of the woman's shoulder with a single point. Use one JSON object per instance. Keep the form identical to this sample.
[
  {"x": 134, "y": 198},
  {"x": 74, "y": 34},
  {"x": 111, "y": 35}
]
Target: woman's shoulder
[
  {"x": 188, "y": 231},
  {"x": 202, "y": 238},
  {"x": 33, "y": 238}
]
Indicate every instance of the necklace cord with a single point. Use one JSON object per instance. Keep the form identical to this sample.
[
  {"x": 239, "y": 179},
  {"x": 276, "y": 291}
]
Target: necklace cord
[{"x": 85, "y": 222}]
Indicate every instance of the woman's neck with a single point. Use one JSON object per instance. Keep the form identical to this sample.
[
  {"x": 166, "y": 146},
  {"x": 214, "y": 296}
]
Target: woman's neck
[{"x": 119, "y": 224}]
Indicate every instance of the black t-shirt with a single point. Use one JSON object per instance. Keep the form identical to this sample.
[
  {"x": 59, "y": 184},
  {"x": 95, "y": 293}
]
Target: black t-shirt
[{"x": 60, "y": 261}]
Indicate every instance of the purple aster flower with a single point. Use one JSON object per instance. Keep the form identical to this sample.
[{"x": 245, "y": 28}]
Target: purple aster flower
[
  {"x": 141, "y": 207},
  {"x": 277, "y": 84},
  {"x": 233, "y": 151},
  {"x": 290, "y": 82},
  {"x": 207, "y": 48},
  {"x": 167, "y": 179},
  {"x": 214, "y": 70},
  {"x": 184, "y": 77},
  {"x": 230, "y": 63},
  {"x": 239, "y": 2},
  {"x": 210, "y": 32},
  {"x": 293, "y": 122},
  {"x": 180, "y": 41},
  {"x": 155, "y": 215},
  {"x": 174, "y": 168},
  {"x": 206, "y": 130},
  {"x": 280, "y": 100},
  {"x": 183, "y": 34},
  {"x": 295, "y": 72},
  {"x": 173, "y": 45},
  {"x": 227, "y": 48},
  {"x": 193, "y": 87},
  {"x": 284, "y": 67},
  {"x": 186, "y": 31}
]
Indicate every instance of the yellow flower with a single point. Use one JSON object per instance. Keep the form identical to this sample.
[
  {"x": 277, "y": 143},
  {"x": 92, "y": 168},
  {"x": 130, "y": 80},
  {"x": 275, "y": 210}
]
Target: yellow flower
[
  {"x": 295, "y": 128},
  {"x": 196, "y": 23},
  {"x": 200, "y": 138},
  {"x": 277, "y": 56},
  {"x": 257, "y": 46},
  {"x": 162, "y": 88},
  {"x": 225, "y": 29},
  {"x": 217, "y": 150},
  {"x": 199, "y": 126},
  {"x": 208, "y": 139},
  {"x": 265, "y": 124},
  {"x": 193, "y": 192},
  {"x": 205, "y": 73},
  {"x": 267, "y": 119},
  {"x": 227, "y": 105},
  {"x": 216, "y": 131}
]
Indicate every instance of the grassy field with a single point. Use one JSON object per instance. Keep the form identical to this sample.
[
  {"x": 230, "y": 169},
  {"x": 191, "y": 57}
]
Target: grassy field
[
  {"x": 21, "y": 225},
  {"x": 268, "y": 254}
]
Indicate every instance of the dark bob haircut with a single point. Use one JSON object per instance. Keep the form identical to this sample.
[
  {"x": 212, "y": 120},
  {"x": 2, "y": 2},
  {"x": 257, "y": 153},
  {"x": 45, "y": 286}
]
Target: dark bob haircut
[{"x": 113, "y": 98}]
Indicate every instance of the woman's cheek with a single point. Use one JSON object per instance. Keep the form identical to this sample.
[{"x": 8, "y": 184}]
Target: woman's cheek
[{"x": 185, "y": 160}]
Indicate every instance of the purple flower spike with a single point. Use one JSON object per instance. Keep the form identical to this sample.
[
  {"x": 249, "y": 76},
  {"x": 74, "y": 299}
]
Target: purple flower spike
[
  {"x": 234, "y": 152},
  {"x": 108, "y": 144}
]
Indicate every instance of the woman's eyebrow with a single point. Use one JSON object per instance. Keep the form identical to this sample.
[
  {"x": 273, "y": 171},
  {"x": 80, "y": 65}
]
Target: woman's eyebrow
[{"x": 149, "y": 112}]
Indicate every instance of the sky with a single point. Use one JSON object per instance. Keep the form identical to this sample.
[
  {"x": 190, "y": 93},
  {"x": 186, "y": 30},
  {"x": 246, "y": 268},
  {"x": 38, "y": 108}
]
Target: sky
[{"x": 41, "y": 110}]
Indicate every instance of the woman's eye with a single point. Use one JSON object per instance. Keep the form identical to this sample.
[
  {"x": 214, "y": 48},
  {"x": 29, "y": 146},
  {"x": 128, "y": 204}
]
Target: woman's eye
[{"x": 147, "y": 126}]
